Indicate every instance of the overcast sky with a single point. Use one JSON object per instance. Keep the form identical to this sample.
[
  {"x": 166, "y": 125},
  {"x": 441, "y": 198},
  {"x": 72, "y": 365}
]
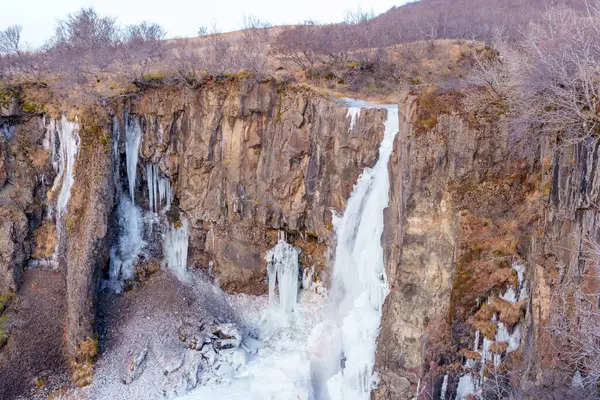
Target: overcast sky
[{"x": 179, "y": 17}]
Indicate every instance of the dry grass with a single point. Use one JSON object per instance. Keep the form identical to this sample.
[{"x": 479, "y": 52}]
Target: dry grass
[
  {"x": 471, "y": 355},
  {"x": 45, "y": 241},
  {"x": 82, "y": 367}
]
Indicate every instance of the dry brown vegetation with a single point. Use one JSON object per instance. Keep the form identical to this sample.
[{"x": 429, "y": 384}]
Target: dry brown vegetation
[{"x": 438, "y": 42}]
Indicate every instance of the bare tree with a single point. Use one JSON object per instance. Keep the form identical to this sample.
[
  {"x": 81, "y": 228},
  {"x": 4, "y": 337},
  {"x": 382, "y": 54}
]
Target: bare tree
[
  {"x": 251, "y": 52},
  {"x": 142, "y": 48},
  {"x": 10, "y": 40},
  {"x": 202, "y": 31},
  {"x": 555, "y": 69}
]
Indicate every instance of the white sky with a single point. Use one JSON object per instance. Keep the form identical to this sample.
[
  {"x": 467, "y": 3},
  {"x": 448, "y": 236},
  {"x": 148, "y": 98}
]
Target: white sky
[{"x": 179, "y": 17}]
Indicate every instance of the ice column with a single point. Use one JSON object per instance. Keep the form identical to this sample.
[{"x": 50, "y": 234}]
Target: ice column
[
  {"x": 133, "y": 138},
  {"x": 125, "y": 253},
  {"x": 282, "y": 269},
  {"x": 176, "y": 248}
]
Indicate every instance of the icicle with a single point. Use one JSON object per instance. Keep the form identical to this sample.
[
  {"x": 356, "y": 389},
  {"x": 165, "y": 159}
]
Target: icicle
[
  {"x": 133, "y": 138},
  {"x": 444, "y": 388},
  {"x": 282, "y": 269},
  {"x": 159, "y": 189},
  {"x": 164, "y": 192},
  {"x": 125, "y": 253},
  {"x": 176, "y": 248},
  {"x": 116, "y": 137},
  {"x": 69, "y": 147},
  {"x": 353, "y": 113},
  {"x": 151, "y": 177}
]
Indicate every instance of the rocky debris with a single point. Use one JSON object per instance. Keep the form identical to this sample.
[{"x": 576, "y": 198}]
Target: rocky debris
[
  {"x": 228, "y": 336},
  {"x": 136, "y": 366},
  {"x": 171, "y": 363}
]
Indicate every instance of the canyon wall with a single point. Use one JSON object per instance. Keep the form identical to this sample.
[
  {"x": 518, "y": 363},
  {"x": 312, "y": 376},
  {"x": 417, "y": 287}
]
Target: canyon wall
[{"x": 25, "y": 171}]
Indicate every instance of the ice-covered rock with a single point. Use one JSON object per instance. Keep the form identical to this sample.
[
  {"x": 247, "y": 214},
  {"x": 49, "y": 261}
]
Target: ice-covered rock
[{"x": 228, "y": 336}]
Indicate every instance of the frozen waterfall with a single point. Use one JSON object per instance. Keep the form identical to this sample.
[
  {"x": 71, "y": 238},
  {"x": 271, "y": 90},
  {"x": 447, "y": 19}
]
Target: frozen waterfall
[
  {"x": 133, "y": 138},
  {"x": 282, "y": 270},
  {"x": 63, "y": 156},
  {"x": 176, "y": 248},
  {"x": 359, "y": 284},
  {"x": 125, "y": 253},
  {"x": 159, "y": 189},
  {"x": 67, "y": 150}
]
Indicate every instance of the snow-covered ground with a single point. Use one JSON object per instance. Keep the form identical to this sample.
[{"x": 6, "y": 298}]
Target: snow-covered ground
[{"x": 277, "y": 347}]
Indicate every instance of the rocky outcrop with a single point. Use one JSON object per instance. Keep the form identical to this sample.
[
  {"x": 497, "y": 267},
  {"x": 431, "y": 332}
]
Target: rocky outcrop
[
  {"x": 24, "y": 170},
  {"x": 87, "y": 239},
  {"x": 468, "y": 200},
  {"x": 248, "y": 158}
]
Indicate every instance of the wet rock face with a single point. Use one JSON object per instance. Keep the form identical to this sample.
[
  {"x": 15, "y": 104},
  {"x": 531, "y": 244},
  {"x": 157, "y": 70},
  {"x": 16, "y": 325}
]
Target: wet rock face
[{"x": 246, "y": 159}]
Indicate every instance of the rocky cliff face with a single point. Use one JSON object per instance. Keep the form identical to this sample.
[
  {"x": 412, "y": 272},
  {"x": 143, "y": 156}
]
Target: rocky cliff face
[
  {"x": 246, "y": 159},
  {"x": 25, "y": 171},
  {"x": 468, "y": 201}
]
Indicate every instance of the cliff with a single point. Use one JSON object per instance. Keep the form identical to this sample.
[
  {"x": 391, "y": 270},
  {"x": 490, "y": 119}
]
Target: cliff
[
  {"x": 246, "y": 159},
  {"x": 483, "y": 227},
  {"x": 470, "y": 203}
]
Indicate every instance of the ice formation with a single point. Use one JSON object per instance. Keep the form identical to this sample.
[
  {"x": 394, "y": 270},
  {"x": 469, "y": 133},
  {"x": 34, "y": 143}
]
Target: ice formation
[
  {"x": 176, "y": 248},
  {"x": 471, "y": 384},
  {"x": 7, "y": 131},
  {"x": 133, "y": 138},
  {"x": 159, "y": 189},
  {"x": 124, "y": 254},
  {"x": 466, "y": 386},
  {"x": 282, "y": 269},
  {"x": 69, "y": 147},
  {"x": 353, "y": 113},
  {"x": 359, "y": 281},
  {"x": 63, "y": 142},
  {"x": 444, "y": 388}
]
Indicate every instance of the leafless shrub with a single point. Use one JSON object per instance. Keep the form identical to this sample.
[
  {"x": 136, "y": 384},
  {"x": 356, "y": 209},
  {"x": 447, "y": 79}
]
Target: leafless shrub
[
  {"x": 202, "y": 31},
  {"x": 358, "y": 16},
  {"x": 252, "y": 50},
  {"x": 575, "y": 322},
  {"x": 217, "y": 56},
  {"x": 142, "y": 48},
  {"x": 556, "y": 69}
]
